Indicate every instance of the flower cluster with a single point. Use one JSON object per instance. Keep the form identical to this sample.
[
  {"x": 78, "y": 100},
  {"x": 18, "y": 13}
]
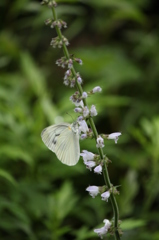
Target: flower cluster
[
  {"x": 69, "y": 79},
  {"x": 94, "y": 191},
  {"x": 58, "y": 42}
]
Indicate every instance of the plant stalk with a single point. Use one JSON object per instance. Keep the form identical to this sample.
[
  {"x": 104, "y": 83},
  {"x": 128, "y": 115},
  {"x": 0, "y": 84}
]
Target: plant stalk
[{"x": 93, "y": 127}]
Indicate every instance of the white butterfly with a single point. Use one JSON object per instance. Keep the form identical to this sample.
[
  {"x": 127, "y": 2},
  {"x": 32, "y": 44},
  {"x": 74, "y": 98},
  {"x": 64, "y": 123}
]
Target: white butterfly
[{"x": 63, "y": 140}]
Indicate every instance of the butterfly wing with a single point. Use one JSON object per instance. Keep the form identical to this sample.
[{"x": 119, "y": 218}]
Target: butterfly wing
[
  {"x": 67, "y": 148},
  {"x": 50, "y": 135},
  {"x": 64, "y": 142}
]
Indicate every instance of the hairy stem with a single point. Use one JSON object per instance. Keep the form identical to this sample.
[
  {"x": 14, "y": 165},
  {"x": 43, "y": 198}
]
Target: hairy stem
[{"x": 93, "y": 127}]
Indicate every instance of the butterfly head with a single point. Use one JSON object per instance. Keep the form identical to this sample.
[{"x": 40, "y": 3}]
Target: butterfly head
[{"x": 74, "y": 127}]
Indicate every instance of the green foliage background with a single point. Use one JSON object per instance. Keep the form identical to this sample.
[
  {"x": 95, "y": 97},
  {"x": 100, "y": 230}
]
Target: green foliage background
[{"x": 118, "y": 41}]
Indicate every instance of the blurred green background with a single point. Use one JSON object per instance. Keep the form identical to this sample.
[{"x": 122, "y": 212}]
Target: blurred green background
[{"x": 118, "y": 41}]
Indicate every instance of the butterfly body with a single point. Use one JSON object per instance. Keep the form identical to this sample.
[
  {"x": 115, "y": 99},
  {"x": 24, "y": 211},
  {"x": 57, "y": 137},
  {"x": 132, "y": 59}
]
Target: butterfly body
[{"x": 63, "y": 140}]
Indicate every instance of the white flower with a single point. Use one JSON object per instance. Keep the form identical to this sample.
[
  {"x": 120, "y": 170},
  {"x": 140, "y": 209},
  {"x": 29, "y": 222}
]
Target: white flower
[
  {"x": 100, "y": 142},
  {"x": 84, "y": 95},
  {"x": 97, "y": 89},
  {"x": 78, "y": 110},
  {"x": 79, "y": 104},
  {"x": 105, "y": 196},
  {"x": 103, "y": 230},
  {"x": 83, "y": 126},
  {"x": 98, "y": 169},
  {"x": 93, "y": 190},
  {"x": 80, "y": 118},
  {"x": 85, "y": 111},
  {"x": 89, "y": 164},
  {"x": 87, "y": 155},
  {"x": 66, "y": 82},
  {"x": 68, "y": 72},
  {"x": 107, "y": 223},
  {"x": 93, "y": 111},
  {"x": 79, "y": 80},
  {"x": 114, "y": 136},
  {"x": 83, "y": 136}
]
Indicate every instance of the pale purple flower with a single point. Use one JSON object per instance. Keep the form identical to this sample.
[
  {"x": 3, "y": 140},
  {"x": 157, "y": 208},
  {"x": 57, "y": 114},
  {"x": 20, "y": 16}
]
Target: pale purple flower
[
  {"x": 83, "y": 136},
  {"x": 114, "y": 136},
  {"x": 100, "y": 142},
  {"x": 105, "y": 196},
  {"x": 79, "y": 80},
  {"x": 79, "y": 104},
  {"x": 107, "y": 223},
  {"x": 103, "y": 230},
  {"x": 80, "y": 118},
  {"x": 98, "y": 169},
  {"x": 90, "y": 164},
  {"x": 93, "y": 111},
  {"x": 78, "y": 110},
  {"x": 85, "y": 111},
  {"x": 83, "y": 126},
  {"x": 97, "y": 89},
  {"x": 93, "y": 190},
  {"x": 84, "y": 95},
  {"x": 87, "y": 155},
  {"x": 70, "y": 62}
]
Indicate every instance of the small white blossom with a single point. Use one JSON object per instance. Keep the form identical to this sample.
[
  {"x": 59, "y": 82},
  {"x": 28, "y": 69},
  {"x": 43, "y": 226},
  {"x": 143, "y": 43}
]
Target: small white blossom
[
  {"x": 93, "y": 190},
  {"x": 84, "y": 95},
  {"x": 100, "y": 142},
  {"x": 66, "y": 82},
  {"x": 79, "y": 104},
  {"x": 107, "y": 223},
  {"x": 90, "y": 164},
  {"x": 83, "y": 136},
  {"x": 70, "y": 62},
  {"x": 68, "y": 72},
  {"x": 80, "y": 118},
  {"x": 93, "y": 111},
  {"x": 97, "y": 89},
  {"x": 85, "y": 111},
  {"x": 72, "y": 84},
  {"x": 98, "y": 169},
  {"x": 114, "y": 136},
  {"x": 83, "y": 126},
  {"x": 105, "y": 196},
  {"x": 103, "y": 230},
  {"x": 78, "y": 110},
  {"x": 79, "y": 80},
  {"x": 87, "y": 155}
]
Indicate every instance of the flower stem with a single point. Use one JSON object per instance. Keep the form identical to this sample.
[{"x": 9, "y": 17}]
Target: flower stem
[{"x": 93, "y": 127}]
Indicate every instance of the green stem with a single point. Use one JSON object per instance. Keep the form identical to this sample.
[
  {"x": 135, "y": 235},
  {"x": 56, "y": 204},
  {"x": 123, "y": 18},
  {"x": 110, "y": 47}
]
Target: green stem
[{"x": 93, "y": 127}]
